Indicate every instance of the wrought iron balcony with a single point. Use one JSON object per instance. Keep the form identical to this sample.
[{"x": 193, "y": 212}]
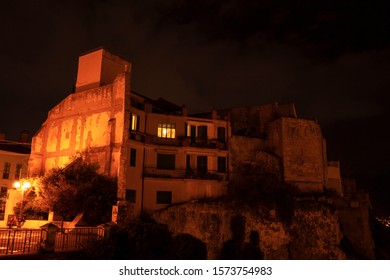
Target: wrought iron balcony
[
  {"x": 184, "y": 174},
  {"x": 180, "y": 141}
]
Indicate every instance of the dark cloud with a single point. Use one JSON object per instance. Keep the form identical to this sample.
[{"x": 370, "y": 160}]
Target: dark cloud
[{"x": 329, "y": 57}]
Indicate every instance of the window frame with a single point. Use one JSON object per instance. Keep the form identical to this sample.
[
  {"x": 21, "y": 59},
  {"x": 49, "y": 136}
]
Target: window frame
[
  {"x": 133, "y": 157},
  {"x": 6, "y": 170},
  {"x": 134, "y": 122},
  {"x": 131, "y": 195},
  {"x": 202, "y": 164},
  {"x": 221, "y": 168},
  {"x": 166, "y": 130},
  {"x": 18, "y": 171}
]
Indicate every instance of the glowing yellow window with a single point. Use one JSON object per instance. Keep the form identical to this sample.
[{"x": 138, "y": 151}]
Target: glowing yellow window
[
  {"x": 134, "y": 122},
  {"x": 166, "y": 130}
]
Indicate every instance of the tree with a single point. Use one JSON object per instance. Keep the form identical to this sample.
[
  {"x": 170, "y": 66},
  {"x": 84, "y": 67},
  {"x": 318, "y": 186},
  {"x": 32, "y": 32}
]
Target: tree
[{"x": 73, "y": 189}]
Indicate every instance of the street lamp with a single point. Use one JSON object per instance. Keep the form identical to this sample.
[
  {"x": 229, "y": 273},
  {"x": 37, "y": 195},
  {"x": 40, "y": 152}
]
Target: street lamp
[{"x": 22, "y": 187}]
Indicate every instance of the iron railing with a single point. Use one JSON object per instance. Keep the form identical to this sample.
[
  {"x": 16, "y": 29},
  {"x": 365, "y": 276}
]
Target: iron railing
[
  {"x": 31, "y": 241},
  {"x": 19, "y": 241},
  {"x": 73, "y": 239}
]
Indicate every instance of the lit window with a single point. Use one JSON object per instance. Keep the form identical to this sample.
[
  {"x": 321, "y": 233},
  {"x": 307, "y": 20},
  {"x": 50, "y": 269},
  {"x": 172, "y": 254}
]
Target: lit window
[
  {"x": 134, "y": 122},
  {"x": 166, "y": 130}
]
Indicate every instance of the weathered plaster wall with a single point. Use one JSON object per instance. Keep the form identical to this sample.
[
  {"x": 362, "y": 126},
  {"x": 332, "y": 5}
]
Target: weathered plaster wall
[
  {"x": 183, "y": 190},
  {"x": 91, "y": 122}
]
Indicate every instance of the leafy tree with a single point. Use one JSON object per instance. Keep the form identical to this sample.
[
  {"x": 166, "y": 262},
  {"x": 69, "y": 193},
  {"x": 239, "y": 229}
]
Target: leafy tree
[{"x": 73, "y": 189}]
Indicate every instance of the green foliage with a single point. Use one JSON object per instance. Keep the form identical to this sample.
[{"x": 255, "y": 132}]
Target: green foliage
[{"x": 73, "y": 189}]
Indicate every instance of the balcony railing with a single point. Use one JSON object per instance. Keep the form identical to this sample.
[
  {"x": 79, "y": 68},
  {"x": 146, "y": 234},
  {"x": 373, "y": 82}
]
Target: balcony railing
[
  {"x": 184, "y": 174},
  {"x": 178, "y": 142}
]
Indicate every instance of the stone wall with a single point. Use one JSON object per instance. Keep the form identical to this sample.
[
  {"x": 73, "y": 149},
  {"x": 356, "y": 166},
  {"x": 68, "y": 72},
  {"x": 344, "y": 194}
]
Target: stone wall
[
  {"x": 313, "y": 233},
  {"x": 249, "y": 160},
  {"x": 252, "y": 121},
  {"x": 354, "y": 215},
  {"x": 300, "y": 144}
]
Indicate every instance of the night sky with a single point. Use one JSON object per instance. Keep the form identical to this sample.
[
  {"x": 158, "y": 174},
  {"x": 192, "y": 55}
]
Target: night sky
[{"x": 330, "y": 57}]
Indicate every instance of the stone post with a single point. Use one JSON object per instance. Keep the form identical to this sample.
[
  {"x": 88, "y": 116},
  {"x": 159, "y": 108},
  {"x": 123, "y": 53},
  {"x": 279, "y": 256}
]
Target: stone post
[{"x": 48, "y": 244}]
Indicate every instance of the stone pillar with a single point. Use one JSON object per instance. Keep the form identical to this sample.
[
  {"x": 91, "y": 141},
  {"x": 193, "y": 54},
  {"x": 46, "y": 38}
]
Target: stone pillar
[{"x": 48, "y": 244}]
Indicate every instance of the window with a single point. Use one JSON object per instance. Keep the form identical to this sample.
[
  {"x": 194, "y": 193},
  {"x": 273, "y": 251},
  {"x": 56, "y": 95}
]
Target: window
[
  {"x": 221, "y": 134},
  {"x": 202, "y": 164},
  {"x": 222, "y": 164},
  {"x": 3, "y": 192},
  {"x": 166, "y": 130},
  {"x": 202, "y": 132},
  {"x": 164, "y": 197},
  {"x": 134, "y": 122},
  {"x": 193, "y": 133},
  {"x": 7, "y": 167},
  {"x": 133, "y": 153},
  {"x": 188, "y": 162},
  {"x": 130, "y": 196},
  {"x": 2, "y": 209},
  {"x": 18, "y": 171},
  {"x": 165, "y": 161}
]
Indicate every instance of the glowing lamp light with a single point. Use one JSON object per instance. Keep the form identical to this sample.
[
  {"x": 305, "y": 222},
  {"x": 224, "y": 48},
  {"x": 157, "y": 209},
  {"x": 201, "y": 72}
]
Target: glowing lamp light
[
  {"x": 23, "y": 186},
  {"x": 164, "y": 131}
]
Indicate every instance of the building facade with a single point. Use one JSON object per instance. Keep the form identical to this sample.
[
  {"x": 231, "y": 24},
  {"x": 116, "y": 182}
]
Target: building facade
[
  {"x": 14, "y": 158},
  {"x": 159, "y": 154},
  {"x": 162, "y": 155}
]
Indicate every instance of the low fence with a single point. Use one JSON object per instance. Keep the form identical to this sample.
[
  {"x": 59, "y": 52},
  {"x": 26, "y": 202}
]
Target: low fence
[
  {"x": 16, "y": 241},
  {"x": 73, "y": 239},
  {"x": 30, "y": 241}
]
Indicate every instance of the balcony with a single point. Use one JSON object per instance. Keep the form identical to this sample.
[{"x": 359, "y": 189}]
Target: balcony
[
  {"x": 154, "y": 140},
  {"x": 180, "y": 141},
  {"x": 137, "y": 136},
  {"x": 207, "y": 143},
  {"x": 184, "y": 174}
]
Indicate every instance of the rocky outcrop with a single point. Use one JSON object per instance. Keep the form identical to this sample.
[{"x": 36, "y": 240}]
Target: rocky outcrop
[{"x": 229, "y": 229}]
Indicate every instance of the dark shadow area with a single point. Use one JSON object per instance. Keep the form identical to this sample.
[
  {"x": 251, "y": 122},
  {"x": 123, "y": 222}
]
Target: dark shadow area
[
  {"x": 232, "y": 249},
  {"x": 188, "y": 247},
  {"x": 251, "y": 250},
  {"x": 381, "y": 235}
]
